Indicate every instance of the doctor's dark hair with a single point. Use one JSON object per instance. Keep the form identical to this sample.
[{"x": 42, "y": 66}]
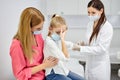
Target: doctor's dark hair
[
  {"x": 56, "y": 21},
  {"x": 97, "y": 4},
  {"x": 29, "y": 18}
]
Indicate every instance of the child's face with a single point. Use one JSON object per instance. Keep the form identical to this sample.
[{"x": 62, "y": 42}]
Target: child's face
[{"x": 58, "y": 29}]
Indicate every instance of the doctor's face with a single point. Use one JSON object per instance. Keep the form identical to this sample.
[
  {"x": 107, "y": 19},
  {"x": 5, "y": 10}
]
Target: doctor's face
[{"x": 93, "y": 11}]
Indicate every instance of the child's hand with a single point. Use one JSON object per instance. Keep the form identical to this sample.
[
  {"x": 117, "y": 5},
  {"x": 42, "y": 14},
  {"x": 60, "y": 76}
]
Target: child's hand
[{"x": 62, "y": 34}]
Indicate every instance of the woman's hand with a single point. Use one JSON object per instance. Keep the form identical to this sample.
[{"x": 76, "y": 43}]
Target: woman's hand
[
  {"x": 47, "y": 63},
  {"x": 50, "y": 62}
]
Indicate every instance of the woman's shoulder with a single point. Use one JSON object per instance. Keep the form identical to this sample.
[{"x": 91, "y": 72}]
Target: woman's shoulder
[
  {"x": 107, "y": 23},
  {"x": 15, "y": 45},
  {"x": 107, "y": 26},
  {"x": 15, "y": 42}
]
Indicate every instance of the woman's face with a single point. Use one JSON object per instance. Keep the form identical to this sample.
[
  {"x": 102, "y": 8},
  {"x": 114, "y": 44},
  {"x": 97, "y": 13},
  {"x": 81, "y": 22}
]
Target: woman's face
[
  {"x": 93, "y": 11},
  {"x": 37, "y": 27}
]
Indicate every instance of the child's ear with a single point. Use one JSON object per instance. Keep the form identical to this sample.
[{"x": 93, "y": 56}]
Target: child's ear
[
  {"x": 66, "y": 28},
  {"x": 50, "y": 28},
  {"x": 50, "y": 31}
]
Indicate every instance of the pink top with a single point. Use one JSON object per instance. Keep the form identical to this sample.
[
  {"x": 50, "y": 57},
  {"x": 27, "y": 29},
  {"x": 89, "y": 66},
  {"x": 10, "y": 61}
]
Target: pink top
[{"x": 21, "y": 66}]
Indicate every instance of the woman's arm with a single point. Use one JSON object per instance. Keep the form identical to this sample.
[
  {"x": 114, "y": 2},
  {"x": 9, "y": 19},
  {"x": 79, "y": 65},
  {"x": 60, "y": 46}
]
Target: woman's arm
[
  {"x": 19, "y": 65},
  {"x": 103, "y": 43},
  {"x": 19, "y": 62},
  {"x": 47, "y": 63}
]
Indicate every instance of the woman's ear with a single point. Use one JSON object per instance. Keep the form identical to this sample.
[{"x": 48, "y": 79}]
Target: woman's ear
[{"x": 101, "y": 11}]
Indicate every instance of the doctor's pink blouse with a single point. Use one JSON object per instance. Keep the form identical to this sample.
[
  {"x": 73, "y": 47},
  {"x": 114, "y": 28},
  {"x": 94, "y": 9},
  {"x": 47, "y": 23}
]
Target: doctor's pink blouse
[{"x": 21, "y": 66}]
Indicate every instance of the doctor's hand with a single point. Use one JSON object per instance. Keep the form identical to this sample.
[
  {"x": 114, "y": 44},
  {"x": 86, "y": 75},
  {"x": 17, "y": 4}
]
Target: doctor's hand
[
  {"x": 76, "y": 47},
  {"x": 81, "y": 43},
  {"x": 50, "y": 62}
]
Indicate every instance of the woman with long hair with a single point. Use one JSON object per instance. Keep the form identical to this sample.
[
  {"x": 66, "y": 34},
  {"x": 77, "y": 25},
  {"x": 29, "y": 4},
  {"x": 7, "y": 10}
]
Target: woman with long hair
[
  {"x": 26, "y": 49},
  {"x": 98, "y": 39}
]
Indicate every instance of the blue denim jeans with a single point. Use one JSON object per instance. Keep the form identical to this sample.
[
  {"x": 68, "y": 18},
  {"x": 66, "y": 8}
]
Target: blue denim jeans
[{"x": 70, "y": 76}]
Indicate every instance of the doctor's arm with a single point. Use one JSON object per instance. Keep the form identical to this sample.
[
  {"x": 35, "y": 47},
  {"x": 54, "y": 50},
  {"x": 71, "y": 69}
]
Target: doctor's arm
[{"x": 102, "y": 45}]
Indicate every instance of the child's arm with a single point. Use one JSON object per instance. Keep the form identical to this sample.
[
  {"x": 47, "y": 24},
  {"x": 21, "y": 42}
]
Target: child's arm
[
  {"x": 64, "y": 47},
  {"x": 51, "y": 49}
]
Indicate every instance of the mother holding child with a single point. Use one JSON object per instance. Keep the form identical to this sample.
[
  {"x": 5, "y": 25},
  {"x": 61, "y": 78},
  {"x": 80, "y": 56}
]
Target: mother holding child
[{"x": 29, "y": 61}]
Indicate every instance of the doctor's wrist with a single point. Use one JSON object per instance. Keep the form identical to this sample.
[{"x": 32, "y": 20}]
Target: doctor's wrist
[{"x": 76, "y": 47}]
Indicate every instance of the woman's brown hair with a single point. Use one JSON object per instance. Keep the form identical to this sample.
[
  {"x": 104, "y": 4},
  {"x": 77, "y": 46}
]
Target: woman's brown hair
[
  {"x": 97, "y": 4},
  {"x": 29, "y": 18}
]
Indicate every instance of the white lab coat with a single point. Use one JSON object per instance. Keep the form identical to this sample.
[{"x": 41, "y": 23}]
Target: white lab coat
[
  {"x": 52, "y": 48},
  {"x": 98, "y": 62}
]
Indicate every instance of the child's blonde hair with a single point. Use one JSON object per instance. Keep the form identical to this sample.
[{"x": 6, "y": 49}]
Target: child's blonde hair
[{"x": 57, "y": 21}]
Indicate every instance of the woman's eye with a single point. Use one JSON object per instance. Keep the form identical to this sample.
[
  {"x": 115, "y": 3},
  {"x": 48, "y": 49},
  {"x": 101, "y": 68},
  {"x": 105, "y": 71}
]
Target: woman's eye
[
  {"x": 38, "y": 29},
  {"x": 93, "y": 13}
]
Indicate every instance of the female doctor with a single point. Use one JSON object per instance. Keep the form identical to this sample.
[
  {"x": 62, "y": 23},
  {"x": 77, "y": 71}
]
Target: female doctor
[{"x": 98, "y": 39}]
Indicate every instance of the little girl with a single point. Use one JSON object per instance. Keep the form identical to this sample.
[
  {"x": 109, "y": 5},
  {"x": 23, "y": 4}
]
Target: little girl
[{"x": 56, "y": 46}]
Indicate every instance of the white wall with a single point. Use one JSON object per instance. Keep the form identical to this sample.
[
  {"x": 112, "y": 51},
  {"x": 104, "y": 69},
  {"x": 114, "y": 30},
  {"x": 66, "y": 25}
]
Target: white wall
[
  {"x": 79, "y": 7},
  {"x": 10, "y": 11}
]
